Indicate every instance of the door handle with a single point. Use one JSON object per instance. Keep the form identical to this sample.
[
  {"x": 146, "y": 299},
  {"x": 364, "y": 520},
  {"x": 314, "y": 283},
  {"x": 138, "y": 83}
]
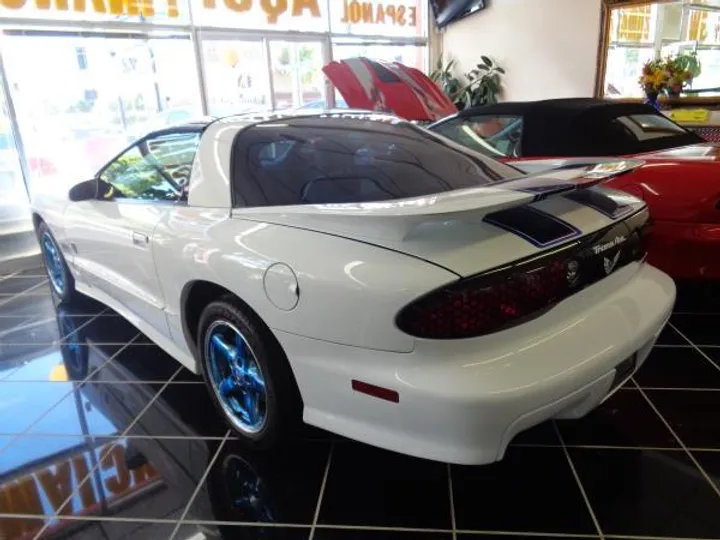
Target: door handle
[{"x": 140, "y": 239}]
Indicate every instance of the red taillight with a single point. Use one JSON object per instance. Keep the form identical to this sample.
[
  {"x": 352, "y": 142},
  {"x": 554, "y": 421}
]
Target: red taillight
[
  {"x": 501, "y": 298},
  {"x": 482, "y": 305}
]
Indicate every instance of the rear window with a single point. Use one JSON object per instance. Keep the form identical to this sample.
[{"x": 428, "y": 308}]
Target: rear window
[
  {"x": 645, "y": 127},
  {"x": 326, "y": 162}
]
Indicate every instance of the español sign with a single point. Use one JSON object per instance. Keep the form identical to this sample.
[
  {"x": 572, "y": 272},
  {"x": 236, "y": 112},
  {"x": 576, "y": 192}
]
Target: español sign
[{"x": 353, "y": 11}]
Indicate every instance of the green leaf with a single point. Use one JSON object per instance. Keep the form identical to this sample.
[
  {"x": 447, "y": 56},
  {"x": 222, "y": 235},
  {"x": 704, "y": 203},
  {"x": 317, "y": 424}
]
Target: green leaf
[
  {"x": 486, "y": 60},
  {"x": 500, "y": 70}
]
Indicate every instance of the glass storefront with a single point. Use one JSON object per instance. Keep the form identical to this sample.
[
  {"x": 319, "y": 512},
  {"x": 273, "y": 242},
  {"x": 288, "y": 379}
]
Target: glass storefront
[
  {"x": 85, "y": 78},
  {"x": 640, "y": 33}
]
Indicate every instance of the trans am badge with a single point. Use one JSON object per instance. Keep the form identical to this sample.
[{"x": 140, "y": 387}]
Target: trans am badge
[
  {"x": 609, "y": 264},
  {"x": 598, "y": 249}
]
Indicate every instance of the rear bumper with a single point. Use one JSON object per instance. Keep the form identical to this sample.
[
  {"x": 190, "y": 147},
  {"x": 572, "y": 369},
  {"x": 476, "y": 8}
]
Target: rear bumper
[
  {"x": 463, "y": 401},
  {"x": 685, "y": 250}
]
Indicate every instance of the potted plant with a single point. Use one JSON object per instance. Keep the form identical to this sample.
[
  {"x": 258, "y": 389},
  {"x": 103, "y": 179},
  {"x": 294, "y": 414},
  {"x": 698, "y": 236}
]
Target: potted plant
[{"x": 481, "y": 85}]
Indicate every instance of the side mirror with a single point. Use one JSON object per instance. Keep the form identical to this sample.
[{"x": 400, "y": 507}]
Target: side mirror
[{"x": 84, "y": 191}]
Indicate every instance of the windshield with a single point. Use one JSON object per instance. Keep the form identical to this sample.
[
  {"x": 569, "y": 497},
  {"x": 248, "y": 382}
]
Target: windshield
[{"x": 494, "y": 136}]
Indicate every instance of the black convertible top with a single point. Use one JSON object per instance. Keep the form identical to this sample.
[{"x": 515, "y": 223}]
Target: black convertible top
[{"x": 579, "y": 127}]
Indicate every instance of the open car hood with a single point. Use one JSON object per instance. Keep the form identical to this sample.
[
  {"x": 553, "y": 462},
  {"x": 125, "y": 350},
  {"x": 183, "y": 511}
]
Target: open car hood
[{"x": 389, "y": 87}]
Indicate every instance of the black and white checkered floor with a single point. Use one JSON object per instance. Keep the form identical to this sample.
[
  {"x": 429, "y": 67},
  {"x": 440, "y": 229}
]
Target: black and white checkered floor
[{"x": 102, "y": 435}]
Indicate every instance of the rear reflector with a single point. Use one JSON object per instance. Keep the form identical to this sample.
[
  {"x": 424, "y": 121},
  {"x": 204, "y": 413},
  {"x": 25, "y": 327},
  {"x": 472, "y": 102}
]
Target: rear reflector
[{"x": 376, "y": 391}]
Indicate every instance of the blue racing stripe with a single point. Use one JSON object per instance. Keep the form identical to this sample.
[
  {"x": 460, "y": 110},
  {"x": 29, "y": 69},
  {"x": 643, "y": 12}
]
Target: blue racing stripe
[
  {"x": 600, "y": 202},
  {"x": 537, "y": 227}
]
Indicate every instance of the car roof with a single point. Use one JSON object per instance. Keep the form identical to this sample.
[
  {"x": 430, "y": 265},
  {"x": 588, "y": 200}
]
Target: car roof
[
  {"x": 574, "y": 126},
  {"x": 244, "y": 120},
  {"x": 564, "y": 107}
]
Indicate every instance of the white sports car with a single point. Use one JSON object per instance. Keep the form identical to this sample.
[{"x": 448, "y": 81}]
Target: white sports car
[{"x": 367, "y": 275}]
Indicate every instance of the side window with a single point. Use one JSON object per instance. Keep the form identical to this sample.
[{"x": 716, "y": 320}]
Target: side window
[
  {"x": 495, "y": 136},
  {"x": 155, "y": 169}
]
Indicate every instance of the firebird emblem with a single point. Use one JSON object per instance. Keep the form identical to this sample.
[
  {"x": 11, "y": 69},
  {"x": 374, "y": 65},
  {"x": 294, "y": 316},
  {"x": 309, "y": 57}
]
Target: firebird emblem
[{"x": 609, "y": 264}]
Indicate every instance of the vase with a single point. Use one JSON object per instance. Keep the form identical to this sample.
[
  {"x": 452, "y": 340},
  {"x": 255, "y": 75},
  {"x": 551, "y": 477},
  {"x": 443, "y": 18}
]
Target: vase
[{"x": 651, "y": 98}]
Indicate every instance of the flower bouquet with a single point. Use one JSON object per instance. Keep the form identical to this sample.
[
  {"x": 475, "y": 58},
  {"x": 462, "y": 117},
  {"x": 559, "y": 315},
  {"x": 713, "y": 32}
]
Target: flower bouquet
[{"x": 668, "y": 75}]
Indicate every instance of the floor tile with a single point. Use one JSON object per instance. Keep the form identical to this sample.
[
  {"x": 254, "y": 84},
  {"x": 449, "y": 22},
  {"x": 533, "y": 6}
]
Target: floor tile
[
  {"x": 98, "y": 410},
  {"x": 90, "y": 474},
  {"x": 532, "y": 489},
  {"x": 180, "y": 404},
  {"x": 517, "y": 536},
  {"x": 670, "y": 337},
  {"x": 84, "y": 529},
  {"x": 241, "y": 532},
  {"x": 132, "y": 530},
  {"x": 713, "y": 353},
  {"x": 22, "y": 454},
  {"x": 543, "y": 434},
  {"x": 682, "y": 367},
  {"x": 700, "y": 329},
  {"x": 103, "y": 329},
  {"x": 28, "y": 306},
  {"x": 369, "y": 486},
  {"x": 61, "y": 362},
  {"x": 15, "y": 324},
  {"x": 23, "y": 404},
  {"x": 625, "y": 419},
  {"x": 37, "y": 332},
  {"x": 710, "y": 462},
  {"x": 697, "y": 296},
  {"x": 16, "y": 285},
  {"x": 276, "y": 486},
  {"x": 142, "y": 362},
  {"x": 355, "y": 534},
  {"x": 648, "y": 492},
  {"x": 37, "y": 271},
  {"x": 691, "y": 415}
]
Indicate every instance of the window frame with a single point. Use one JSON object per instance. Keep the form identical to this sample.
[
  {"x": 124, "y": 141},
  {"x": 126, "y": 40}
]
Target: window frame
[{"x": 176, "y": 130}]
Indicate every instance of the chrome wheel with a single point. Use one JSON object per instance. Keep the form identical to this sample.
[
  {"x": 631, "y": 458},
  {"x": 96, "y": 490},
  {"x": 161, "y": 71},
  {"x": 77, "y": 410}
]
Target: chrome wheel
[
  {"x": 236, "y": 377},
  {"x": 54, "y": 263}
]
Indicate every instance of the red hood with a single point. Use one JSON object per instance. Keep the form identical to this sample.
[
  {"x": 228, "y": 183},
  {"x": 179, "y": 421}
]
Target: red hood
[
  {"x": 389, "y": 87},
  {"x": 695, "y": 152}
]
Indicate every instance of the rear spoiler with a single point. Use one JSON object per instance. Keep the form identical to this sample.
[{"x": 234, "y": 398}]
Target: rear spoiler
[{"x": 398, "y": 219}]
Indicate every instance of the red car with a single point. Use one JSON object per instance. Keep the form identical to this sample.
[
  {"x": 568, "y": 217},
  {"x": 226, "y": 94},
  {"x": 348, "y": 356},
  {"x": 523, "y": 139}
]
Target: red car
[{"x": 680, "y": 180}]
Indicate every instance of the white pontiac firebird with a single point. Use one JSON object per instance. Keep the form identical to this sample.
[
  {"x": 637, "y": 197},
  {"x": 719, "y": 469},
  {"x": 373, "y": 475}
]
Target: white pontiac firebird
[{"x": 366, "y": 275}]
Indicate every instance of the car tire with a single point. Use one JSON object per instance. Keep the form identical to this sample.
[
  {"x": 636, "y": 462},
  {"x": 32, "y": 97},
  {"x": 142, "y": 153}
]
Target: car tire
[
  {"x": 61, "y": 280},
  {"x": 247, "y": 373}
]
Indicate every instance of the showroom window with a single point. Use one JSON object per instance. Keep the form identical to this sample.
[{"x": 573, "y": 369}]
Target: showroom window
[
  {"x": 640, "y": 33},
  {"x": 88, "y": 78}
]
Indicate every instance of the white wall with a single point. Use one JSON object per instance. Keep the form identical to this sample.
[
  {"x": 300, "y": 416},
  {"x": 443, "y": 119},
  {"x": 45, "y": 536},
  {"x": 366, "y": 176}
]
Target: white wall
[{"x": 547, "y": 47}]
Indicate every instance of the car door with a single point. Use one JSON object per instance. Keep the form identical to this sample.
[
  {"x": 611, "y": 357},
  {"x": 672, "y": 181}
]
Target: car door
[{"x": 111, "y": 237}]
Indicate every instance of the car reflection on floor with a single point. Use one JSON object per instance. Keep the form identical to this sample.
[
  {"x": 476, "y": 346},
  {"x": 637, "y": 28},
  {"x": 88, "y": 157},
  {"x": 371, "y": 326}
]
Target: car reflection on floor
[{"x": 100, "y": 468}]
